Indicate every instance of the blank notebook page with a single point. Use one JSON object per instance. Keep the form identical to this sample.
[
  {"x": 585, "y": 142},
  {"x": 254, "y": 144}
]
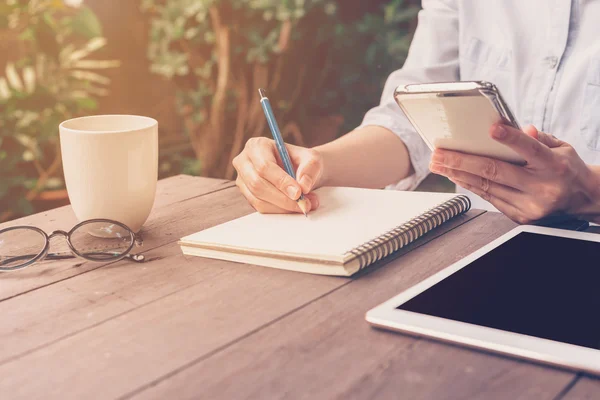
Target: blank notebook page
[{"x": 346, "y": 218}]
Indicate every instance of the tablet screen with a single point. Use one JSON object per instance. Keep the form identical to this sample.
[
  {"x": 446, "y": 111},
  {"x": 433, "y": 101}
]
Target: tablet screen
[{"x": 533, "y": 284}]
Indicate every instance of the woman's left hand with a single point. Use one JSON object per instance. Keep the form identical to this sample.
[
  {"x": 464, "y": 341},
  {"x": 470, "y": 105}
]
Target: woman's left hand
[{"x": 555, "y": 179}]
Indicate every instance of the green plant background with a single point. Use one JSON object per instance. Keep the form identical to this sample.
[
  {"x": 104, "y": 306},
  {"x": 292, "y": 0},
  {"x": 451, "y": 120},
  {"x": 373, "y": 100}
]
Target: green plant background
[
  {"x": 60, "y": 64},
  {"x": 340, "y": 61},
  {"x": 48, "y": 78}
]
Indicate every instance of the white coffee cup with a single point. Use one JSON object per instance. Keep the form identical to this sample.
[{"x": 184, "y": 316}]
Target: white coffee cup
[{"x": 111, "y": 167}]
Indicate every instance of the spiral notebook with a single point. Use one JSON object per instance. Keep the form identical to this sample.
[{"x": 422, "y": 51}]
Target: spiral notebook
[{"x": 352, "y": 229}]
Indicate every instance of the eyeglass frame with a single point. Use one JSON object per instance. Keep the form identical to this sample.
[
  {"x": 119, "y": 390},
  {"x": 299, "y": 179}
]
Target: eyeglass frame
[{"x": 136, "y": 240}]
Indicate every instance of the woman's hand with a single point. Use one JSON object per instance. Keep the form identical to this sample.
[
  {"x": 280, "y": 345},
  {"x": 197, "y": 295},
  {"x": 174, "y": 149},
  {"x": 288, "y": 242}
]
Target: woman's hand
[
  {"x": 554, "y": 181},
  {"x": 267, "y": 186}
]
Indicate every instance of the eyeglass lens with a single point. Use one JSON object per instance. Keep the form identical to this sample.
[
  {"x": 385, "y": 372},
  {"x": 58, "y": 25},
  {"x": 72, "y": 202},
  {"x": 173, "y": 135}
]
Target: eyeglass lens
[
  {"x": 101, "y": 240},
  {"x": 97, "y": 241},
  {"x": 20, "y": 246}
]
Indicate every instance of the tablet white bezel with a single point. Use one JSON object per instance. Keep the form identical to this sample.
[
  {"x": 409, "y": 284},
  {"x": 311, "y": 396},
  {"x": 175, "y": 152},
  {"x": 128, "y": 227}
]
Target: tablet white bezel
[{"x": 387, "y": 316}]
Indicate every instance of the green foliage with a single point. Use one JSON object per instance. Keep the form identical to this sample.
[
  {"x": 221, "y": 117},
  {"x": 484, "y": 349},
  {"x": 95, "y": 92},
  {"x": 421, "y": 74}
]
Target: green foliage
[
  {"x": 184, "y": 45},
  {"x": 86, "y": 24},
  {"x": 346, "y": 62},
  {"x": 180, "y": 162},
  {"x": 365, "y": 53},
  {"x": 49, "y": 80},
  {"x": 257, "y": 22}
]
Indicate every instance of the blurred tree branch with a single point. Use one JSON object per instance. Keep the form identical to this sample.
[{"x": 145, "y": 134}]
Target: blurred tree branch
[{"x": 310, "y": 62}]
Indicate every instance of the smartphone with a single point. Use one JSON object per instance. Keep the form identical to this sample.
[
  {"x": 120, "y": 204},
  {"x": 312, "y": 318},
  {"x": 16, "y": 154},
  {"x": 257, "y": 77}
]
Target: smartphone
[{"x": 458, "y": 116}]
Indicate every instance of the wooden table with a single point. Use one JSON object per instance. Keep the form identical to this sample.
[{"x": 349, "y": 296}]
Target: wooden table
[{"x": 184, "y": 327}]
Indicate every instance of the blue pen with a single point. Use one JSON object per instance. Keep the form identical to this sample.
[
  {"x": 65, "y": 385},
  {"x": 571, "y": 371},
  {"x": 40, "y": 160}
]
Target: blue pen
[{"x": 285, "y": 157}]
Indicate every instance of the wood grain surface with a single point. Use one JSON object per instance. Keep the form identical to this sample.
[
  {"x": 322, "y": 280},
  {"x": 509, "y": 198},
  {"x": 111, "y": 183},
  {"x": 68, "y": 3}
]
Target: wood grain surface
[
  {"x": 327, "y": 350},
  {"x": 586, "y": 388},
  {"x": 170, "y": 193},
  {"x": 187, "y": 327}
]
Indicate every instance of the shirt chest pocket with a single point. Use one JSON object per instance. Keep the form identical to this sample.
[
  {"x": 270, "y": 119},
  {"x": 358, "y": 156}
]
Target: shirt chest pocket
[
  {"x": 478, "y": 55},
  {"x": 590, "y": 117},
  {"x": 485, "y": 61}
]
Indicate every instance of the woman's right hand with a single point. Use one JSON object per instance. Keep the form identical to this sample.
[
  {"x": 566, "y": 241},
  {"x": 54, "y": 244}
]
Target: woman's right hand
[{"x": 266, "y": 185}]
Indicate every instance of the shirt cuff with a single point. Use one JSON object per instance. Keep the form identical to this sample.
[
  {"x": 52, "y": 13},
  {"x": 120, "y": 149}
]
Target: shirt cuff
[{"x": 418, "y": 151}]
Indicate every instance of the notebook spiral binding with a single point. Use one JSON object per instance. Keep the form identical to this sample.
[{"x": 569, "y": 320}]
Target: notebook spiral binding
[{"x": 374, "y": 250}]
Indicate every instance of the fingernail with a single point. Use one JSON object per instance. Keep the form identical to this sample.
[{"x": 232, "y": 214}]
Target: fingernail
[
  {"x": 292, "y": 192},
  {"x": 499, "y": 132},
  {"x": 437, "y": 157},
  {"x": 306, "y": 183},
  {"x": 435, "y": 167}
]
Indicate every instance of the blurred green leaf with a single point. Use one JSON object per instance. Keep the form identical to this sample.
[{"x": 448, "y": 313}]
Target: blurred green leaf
[
  {"x": 54, "y": 183},
  {"x": 87, "y": 103},
  {"x": 191, "y": 166},
  {"x": 24, "y": 206},
  {"x": 86, "y": 23},
  {"x": 27, "y": 35}
]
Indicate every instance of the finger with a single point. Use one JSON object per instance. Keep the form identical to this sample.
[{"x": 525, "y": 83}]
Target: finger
[
  {"x": 531, "y": 131},
  {"x": 507, "y": 209},
  {"x": 550, "y": 140},
  {"x": 494, "y": 170},
  {"x": 532, "y": 150},
  {"x": 264, "y": 190},
  {"x": 265, "y": 163},
  {"x": 258, "y": 204},
  {"x": 262, "y": 206},
  {"x": 310, "y": 167},
  {"x": 502, "y": 192},
  {"x": 277, "y": 177},
  {"x": 314, "y": 201}
]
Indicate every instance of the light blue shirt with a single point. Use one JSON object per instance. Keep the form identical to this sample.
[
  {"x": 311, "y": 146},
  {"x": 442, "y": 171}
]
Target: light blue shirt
[{"x": 544, "y": 56}]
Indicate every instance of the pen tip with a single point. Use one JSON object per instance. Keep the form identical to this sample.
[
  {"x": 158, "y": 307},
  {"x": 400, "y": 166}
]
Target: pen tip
[{"x": 261, "y": 92}]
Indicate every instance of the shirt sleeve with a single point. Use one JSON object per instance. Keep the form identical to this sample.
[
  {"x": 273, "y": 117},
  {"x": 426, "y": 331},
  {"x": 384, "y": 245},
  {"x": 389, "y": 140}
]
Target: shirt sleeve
[{"x": 432, "y": 57}]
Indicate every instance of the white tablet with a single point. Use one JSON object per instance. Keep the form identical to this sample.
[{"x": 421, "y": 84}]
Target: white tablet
[{"x": 533, "y": 293}]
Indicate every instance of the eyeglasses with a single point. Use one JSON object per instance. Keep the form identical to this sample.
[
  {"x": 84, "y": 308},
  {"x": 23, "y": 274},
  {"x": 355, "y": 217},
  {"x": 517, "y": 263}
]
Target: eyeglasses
[{"x": 94, "y": 240}]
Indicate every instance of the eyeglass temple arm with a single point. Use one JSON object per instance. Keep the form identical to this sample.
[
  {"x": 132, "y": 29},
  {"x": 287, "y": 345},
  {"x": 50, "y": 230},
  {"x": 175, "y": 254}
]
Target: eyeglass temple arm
[{"x": 138, "y": 258}]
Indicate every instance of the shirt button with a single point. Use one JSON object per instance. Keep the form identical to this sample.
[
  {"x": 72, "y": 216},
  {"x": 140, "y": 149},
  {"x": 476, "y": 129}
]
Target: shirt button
[{"x": 551, "y": 61}]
